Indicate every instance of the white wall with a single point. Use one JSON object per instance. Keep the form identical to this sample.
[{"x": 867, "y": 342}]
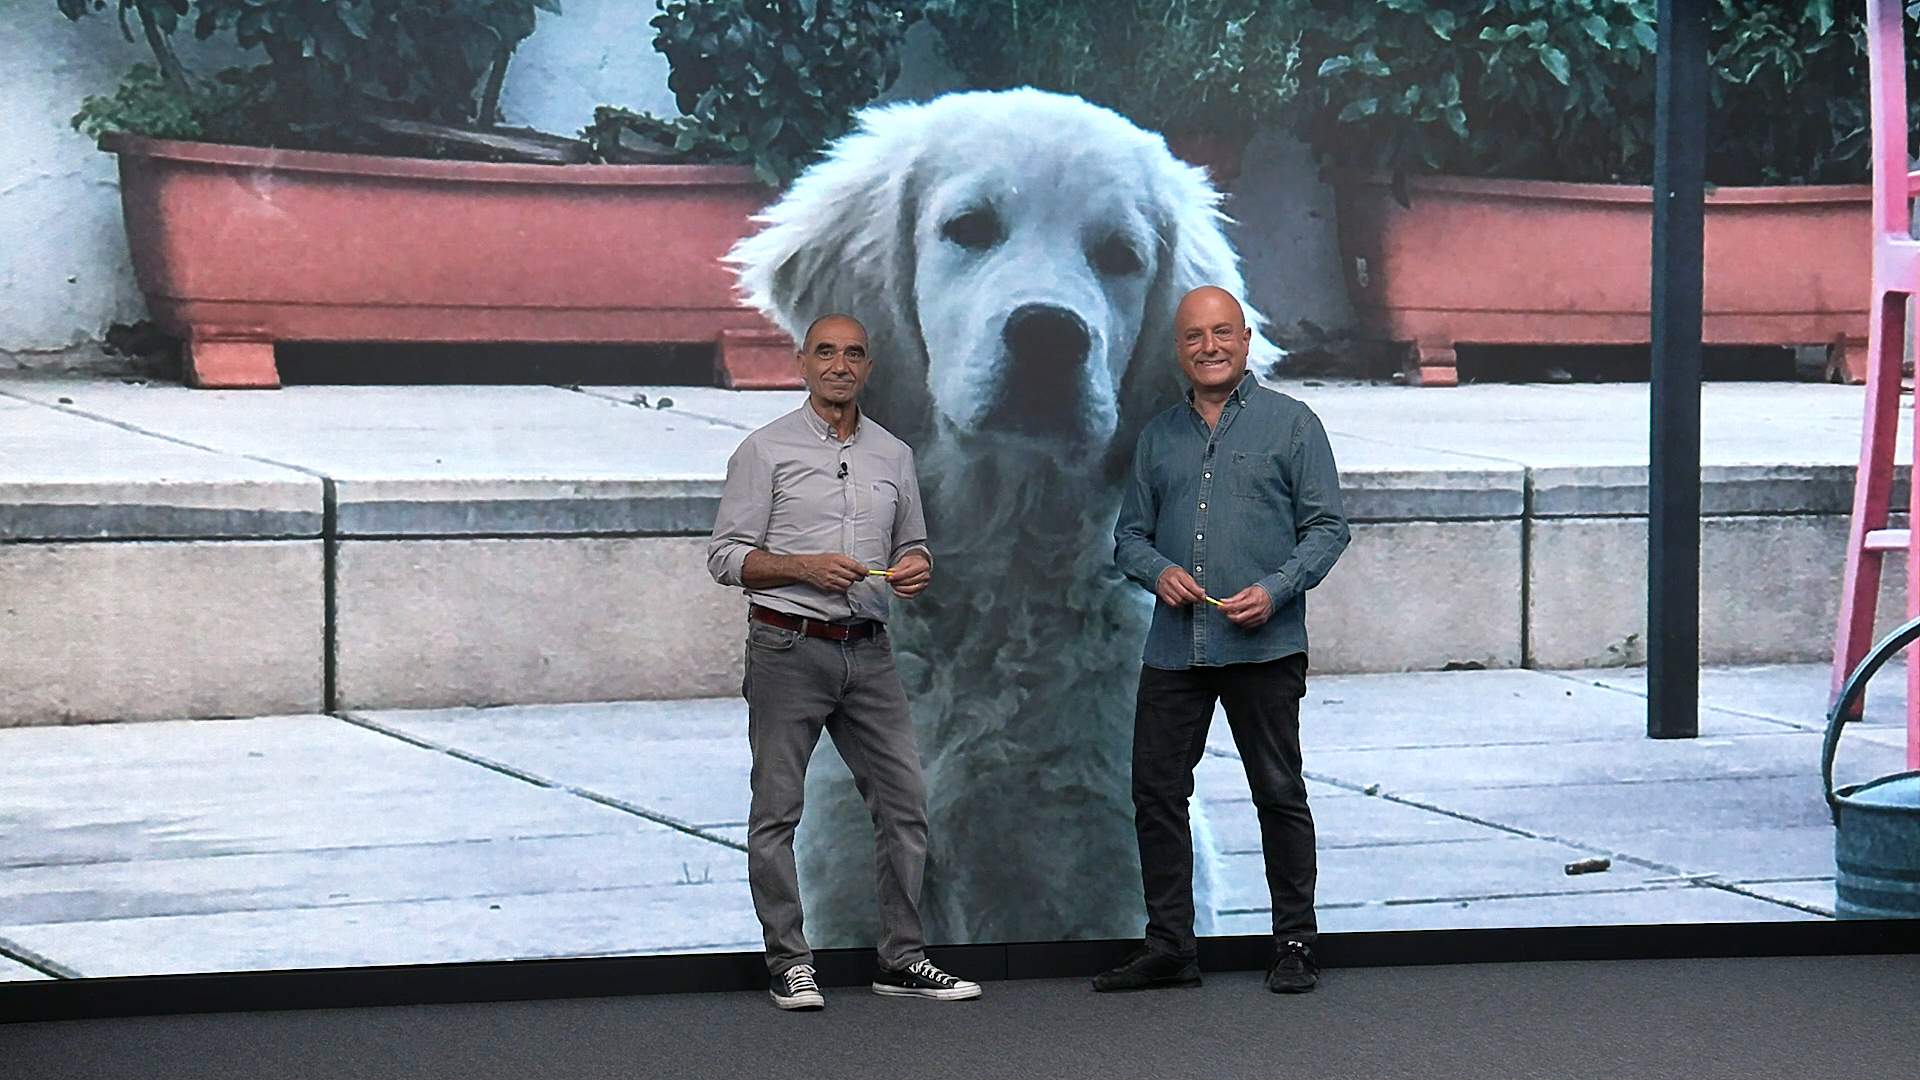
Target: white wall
[{"x": 64, "y": 273}]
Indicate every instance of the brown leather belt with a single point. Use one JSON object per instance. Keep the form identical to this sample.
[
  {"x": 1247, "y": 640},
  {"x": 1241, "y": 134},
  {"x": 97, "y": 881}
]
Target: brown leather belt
[{"x": 853, "y": 631}]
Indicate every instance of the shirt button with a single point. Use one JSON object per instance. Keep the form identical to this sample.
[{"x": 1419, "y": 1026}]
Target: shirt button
[
  {"x": 1203, "y": 506},
  {"x": 1206, "y": 476},
  {"x": 1199, "y": 536},
  {"x": 1197, "y": 568}
]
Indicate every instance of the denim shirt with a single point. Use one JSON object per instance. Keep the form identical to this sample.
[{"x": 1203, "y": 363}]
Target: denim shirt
[{"x": 1253, "y": 500}]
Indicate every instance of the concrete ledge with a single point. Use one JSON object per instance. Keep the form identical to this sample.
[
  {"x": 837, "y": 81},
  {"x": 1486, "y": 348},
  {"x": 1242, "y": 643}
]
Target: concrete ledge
[
  {"x": 527, "y": 507},
  {"x": 497, "y": 545},
  {"x": 431, "y": 623},
  {"x": 65, "y": 476},
  {"x": 1769, "y": 590},
  {"x": 1418, "y": 596},
  {"x": 146, "y": 630},
  {"x": 1608, "y": 491}
]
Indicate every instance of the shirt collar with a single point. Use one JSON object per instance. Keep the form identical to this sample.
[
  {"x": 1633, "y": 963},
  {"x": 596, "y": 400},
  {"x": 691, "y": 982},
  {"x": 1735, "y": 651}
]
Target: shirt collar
[
  {"x": 819, "y": 426},
  {"x": 1239, "y": 396}
]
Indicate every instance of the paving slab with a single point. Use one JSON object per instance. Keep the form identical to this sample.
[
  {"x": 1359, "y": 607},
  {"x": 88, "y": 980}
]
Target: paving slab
[
  {"x": 1456, "y": 768},
  {"x": 712, "y": 917},
  {"x": 639, "y": 854},
  {"x": 1345, "y": 821},
  {"x": 683, "y": 760},
  {"x": 1672, "y": 904},
  {"x": 14, "y": 971},
  {"x": 64, "y": 476},
  {"x": 1467, "y": 708},
  {"x": 1736, "y": 829},
  {"x": 741, "y": 410},
  {"x": 463, "y": 460},
  {"x": 1498, "y": 866},
  {"x": 1813, "y": 893},
  {"x": 180, "y": 789},
  {"x": 1795, "y": 695}
]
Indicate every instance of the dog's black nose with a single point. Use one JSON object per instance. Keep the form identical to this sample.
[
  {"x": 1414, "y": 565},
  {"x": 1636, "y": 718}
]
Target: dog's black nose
[
  {"x": 1042, "y": 388},
  {"x": 1045, "y": 333}
]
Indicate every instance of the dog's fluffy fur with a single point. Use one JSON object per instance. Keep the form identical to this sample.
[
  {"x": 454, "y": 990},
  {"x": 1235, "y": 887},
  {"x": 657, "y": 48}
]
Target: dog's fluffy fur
[{"x": 1016, "y": 257}]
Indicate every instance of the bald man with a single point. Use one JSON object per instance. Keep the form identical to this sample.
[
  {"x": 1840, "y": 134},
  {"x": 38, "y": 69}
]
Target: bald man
[
  {"x": 821, "y": 523},
  {"x": 1232, "y": 514}
]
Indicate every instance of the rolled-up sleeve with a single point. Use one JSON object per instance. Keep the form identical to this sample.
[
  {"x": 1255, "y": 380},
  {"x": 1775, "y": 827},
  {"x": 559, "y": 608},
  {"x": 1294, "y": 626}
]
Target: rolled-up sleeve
[
  {"x": 910, "y": 518},
  {"x": 746, "y": 503},
  {"x": 1320, "y": 522},
  {"x": 1133, "y": 550}
]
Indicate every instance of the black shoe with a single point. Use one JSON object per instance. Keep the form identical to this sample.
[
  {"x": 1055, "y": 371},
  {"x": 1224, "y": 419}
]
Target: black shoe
[
  {"x": 923, "y": 980},
  {"x": 795, "y": 988},
  {"x": 1293, "y": 970},
  {"x": 1149, "y": 970}
]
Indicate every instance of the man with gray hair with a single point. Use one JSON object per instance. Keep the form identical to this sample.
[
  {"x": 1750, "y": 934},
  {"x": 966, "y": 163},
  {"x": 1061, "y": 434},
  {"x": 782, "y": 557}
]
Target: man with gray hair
[{"x": 820, "y": 519}]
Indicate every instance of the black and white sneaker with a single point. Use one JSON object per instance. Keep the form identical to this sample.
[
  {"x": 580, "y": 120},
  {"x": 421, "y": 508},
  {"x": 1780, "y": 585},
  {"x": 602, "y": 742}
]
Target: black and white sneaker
[
  {"x": 796, "y": 988},
  {"x": 923, "y": 980}
]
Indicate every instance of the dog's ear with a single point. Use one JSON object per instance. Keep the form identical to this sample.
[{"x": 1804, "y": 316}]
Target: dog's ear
[
  {"x": 1193, "y": 251},
  {"x": 842, "y": 239}
]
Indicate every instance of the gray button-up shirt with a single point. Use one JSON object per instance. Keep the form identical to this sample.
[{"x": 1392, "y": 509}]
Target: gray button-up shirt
[
  {"x": 793, "y": 488},
  {"x": 1253, "y": 500}
]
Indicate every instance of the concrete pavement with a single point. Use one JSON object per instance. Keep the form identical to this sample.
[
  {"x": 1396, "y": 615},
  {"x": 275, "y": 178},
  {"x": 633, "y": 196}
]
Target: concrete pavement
[{"x": 1443, "y": 800}]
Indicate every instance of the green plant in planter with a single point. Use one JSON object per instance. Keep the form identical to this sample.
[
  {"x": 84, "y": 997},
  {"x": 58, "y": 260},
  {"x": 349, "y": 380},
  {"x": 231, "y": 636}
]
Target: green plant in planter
[
  {"x": 1219, "y": 67},
  {"x": 764, "y": 82},
  {"x": 1564, "y": 89},
  {"x": 330, "y": 65},
  {"x": 1790, "y": 92},
  {"x": 1544, "y": 89}
]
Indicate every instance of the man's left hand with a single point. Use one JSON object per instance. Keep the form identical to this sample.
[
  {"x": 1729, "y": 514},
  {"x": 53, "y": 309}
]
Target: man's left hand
[
  {"x": 910, "y": 575},
  {"x": 1248, "y": 608}
]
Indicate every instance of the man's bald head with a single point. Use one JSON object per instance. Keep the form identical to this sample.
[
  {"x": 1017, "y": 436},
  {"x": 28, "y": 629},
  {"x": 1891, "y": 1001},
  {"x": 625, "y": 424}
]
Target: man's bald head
[
  {"x": 1207, "y": 303},
  {"x": 1212, "y": 340},
  {"x": 837, "y": 321}
]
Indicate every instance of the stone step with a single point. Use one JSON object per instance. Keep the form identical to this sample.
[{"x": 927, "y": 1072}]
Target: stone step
[{"x": 166, "y": 552}]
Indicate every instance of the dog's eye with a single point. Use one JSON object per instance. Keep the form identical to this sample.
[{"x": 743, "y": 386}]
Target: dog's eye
[
  {"x": 975, "y": 230},
  {"x": 1115, "y": 257}
]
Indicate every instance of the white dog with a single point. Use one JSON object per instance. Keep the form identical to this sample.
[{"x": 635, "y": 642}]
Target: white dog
[{"x": 1016, "y": 257}]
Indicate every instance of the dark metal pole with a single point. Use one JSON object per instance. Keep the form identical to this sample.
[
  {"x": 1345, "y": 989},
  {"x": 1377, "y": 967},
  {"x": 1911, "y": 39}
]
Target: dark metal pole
[{"x": 1673, "y": 479}]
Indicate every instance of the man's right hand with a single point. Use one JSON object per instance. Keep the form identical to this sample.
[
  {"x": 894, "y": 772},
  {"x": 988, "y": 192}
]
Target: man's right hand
[
  {"x": 1176, "y": 588},
  {"x": 832, "y": 573}
]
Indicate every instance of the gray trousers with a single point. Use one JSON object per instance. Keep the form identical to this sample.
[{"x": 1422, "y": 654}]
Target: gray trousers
[{"x": 795, "y": 686}]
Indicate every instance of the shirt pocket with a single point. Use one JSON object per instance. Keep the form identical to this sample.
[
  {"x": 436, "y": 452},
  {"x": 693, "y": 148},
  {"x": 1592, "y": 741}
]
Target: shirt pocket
[
  {"x": 1259, "y": 476},
  {"x": 873, "y": 529}
]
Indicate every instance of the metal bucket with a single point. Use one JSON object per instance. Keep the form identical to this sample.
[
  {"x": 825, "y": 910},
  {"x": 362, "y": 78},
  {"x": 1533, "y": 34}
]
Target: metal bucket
[{"x": 1876, "y": 839}]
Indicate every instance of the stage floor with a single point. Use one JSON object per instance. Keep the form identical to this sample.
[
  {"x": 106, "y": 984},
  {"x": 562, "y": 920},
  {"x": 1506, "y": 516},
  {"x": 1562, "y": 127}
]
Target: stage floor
[{"x": 1742, "y": 1019}]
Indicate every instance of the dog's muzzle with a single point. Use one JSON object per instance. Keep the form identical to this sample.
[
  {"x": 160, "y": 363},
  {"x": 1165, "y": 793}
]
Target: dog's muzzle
[{"x": 1043, "y": 387}]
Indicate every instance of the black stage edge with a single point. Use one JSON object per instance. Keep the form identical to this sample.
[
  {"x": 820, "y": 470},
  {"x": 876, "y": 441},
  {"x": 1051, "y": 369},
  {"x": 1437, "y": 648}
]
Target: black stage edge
[{"x": 73, "y": 999}]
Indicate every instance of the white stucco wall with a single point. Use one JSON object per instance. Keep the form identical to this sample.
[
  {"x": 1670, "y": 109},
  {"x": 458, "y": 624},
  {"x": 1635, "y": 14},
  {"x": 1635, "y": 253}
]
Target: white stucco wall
[
  {"x": 64, "y": 274},
  {"x": 64, "y": 270}
]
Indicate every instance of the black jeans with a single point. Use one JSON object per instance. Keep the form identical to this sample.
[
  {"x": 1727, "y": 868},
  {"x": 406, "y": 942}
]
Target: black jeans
[{"x": 1170, "y": 723}]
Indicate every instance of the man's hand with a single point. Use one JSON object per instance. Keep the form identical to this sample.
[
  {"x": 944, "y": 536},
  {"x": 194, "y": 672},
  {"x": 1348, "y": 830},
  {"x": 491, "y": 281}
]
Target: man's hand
[
  {"x": 830, "y": 573},
  {"x": 1248, "y": 608},
  {"x": 911, "y": 575},
  {"x": 1176, "y": 588}
]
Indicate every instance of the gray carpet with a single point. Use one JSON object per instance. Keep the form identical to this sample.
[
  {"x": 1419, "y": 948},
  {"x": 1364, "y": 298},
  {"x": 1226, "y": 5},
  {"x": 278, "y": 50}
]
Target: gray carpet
[{"x": 1749, "y": 1019}]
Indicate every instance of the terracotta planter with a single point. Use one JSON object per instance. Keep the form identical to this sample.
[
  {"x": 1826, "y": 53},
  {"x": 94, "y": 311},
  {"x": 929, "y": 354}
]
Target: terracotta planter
[
  {"x": 1512, "y": 262},
  {"x": 238, "y": 247}
]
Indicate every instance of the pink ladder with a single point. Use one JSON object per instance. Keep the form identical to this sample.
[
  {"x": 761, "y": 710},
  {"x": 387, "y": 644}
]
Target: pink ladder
[{"x": 1896, "y": 277}]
